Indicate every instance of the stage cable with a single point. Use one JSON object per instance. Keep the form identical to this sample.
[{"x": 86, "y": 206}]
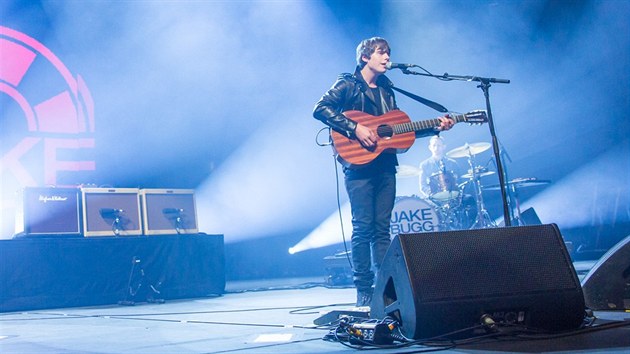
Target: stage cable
[
  {"x": 337, "y": 189},
  {"x": 358, "y": 333}
]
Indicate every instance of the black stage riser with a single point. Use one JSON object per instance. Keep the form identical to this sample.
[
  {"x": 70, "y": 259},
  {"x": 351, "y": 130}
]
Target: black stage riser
[{"x": 54, "y": 272}]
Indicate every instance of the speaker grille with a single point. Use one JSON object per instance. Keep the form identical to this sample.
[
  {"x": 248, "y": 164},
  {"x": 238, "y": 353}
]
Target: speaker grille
[{"x": 519, "y": 260}]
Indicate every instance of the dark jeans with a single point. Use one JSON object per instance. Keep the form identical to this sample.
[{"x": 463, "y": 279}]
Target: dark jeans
[{"x": 372, "y": 201}]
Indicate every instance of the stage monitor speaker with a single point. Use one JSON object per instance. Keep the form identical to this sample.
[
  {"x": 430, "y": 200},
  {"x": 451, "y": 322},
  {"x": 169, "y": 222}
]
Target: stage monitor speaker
[
  {"x": 168, "y": 211},
  {"x": 111, "y": 212},
  {"x": 529, "y": 217},
  {"x": 440, "y": 282},
  {"x": 51, "y": 211},
  {"x": 607, "y": 285}
]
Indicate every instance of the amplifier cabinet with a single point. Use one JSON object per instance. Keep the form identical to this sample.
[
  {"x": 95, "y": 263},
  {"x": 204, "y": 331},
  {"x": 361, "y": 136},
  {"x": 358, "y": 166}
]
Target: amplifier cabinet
[
  {"x": 51, "y": 211},
  {"x": 111, "y": 212},
  {"x": 168, "y": 211}
]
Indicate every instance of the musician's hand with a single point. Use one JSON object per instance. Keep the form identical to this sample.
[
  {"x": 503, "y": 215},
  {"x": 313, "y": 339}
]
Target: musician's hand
[
  {"x": 365, "y": 135},
  {"x": 446, "y": 123}
]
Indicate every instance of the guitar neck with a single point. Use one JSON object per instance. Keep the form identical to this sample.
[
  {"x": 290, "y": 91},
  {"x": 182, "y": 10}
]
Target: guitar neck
[{"x": 424, "y": 124}]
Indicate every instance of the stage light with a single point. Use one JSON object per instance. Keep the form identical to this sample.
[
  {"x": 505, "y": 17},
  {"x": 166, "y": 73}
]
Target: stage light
[
  {"x": 597, "y": 193},
  {"x": 328, "y": 232}
]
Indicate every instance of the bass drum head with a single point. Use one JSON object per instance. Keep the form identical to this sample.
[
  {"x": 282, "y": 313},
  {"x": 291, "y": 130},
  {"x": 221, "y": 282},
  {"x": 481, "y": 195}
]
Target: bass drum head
[{"x": 412, "y": 214}]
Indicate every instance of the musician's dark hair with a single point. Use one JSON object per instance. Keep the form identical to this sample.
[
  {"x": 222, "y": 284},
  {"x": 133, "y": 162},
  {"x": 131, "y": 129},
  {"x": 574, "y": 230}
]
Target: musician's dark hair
[{"x": 369, "y": 46}]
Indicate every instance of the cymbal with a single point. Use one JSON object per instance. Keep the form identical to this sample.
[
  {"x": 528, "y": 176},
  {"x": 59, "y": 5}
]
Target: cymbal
[
  {"x": 479, "y": 171},
  {"x": 520, "y": 182},
  {"x": 468, "y": 149},
  {"x": 407, "y": 171}
]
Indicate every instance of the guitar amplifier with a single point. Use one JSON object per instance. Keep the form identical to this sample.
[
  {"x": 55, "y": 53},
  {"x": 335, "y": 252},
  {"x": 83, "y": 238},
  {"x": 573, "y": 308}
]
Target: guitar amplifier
[
  {"x": 50, "y": 211},
  {"x": 168, "y": 211},
  {"x": 111, "y": 212}
]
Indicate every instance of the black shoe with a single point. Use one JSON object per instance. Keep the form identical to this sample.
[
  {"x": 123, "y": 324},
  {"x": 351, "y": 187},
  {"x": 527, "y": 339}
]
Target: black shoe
[{"x": 364, "y": 297}]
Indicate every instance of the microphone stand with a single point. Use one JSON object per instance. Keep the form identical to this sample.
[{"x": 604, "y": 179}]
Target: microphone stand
[
  {"x": 512, "y": 197},
  {"x": 484, "y": 85}
]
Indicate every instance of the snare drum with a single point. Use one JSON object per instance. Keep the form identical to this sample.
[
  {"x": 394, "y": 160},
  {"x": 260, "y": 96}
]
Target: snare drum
[
  {"x": 443, "y": 186},
  {"x": 412, "y": 214}
]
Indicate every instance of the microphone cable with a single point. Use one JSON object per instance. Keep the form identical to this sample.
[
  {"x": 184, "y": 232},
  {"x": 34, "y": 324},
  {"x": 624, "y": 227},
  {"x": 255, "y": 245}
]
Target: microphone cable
[{"x": 337, "y": 188}]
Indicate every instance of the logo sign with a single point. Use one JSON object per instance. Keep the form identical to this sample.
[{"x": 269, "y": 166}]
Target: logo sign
[
  {"x": 412, "y": 215},
  {"x": 53, "y": 198},
  {"x": 47, "y": 120}
]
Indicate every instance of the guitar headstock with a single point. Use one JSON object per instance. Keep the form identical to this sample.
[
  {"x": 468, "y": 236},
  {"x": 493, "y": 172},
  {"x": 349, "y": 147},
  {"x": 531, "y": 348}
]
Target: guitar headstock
[{"x": 476, "y": 117}]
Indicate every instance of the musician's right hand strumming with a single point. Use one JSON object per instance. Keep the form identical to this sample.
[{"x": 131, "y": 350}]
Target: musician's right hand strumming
[{"x": 365, "y": 135}]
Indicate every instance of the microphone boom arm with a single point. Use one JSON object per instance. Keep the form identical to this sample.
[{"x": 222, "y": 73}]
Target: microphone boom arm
[{"x": 449, "y": 77}]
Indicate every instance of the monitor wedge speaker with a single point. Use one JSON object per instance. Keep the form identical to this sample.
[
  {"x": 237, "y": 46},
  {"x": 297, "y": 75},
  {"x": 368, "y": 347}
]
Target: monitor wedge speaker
[
  {"x": 607, "y": 285},
  {"x": 440, "y": 282}
]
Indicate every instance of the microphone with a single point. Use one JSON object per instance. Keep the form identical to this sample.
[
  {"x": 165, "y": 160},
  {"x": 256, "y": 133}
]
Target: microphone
[
  {"x": 172, "y": 211},
  {"x": 175, "y": 216},
  {"x": 110, "y": 211},
  {"x": 390, "y": 66}
]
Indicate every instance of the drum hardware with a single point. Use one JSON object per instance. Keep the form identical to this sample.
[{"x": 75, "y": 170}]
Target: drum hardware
[
  {"x": 469, "y": 151},
  {"x": 480, "y": 171},
  {"x": 403, "y": 171},
  {"x": 453, "y": 210},
  {"x": 520, "y": 182},
  {"x": 463, "y": 184},
  {"x": 513, "y": 186},
  {"x": 449, "y": 214}
]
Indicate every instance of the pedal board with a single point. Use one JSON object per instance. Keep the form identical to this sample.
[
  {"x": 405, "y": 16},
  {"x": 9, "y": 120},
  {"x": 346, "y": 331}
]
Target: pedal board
[{"x": 335, "y": 315}]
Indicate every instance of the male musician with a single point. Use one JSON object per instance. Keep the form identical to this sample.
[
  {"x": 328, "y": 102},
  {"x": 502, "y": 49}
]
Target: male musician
[
  {"x": 371, "y": 187},
  {"x": 437, "y": 166},
  {"x": 439, "y": 180}
]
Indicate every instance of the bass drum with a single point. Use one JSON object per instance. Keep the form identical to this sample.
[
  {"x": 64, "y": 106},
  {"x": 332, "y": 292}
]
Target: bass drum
[{"x": 412, "y": 214}]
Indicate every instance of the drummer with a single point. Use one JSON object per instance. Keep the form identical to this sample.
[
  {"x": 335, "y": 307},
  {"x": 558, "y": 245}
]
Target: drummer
[{"x": 438, "y": 167}]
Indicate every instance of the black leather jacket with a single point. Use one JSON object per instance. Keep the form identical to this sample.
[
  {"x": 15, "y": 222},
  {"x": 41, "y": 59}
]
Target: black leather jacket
[{"x": 351, "y": 92}]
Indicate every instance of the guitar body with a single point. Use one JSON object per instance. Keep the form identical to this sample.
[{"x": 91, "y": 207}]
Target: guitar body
[{"x": 353, "y": 153}]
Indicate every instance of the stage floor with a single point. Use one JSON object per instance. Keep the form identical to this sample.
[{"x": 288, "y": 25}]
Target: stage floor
[{"x": 252, "y": 317}]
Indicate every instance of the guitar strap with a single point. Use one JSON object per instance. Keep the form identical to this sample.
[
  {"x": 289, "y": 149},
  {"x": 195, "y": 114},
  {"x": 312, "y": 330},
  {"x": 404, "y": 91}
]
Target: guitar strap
[{"x": 438, "y": 107}]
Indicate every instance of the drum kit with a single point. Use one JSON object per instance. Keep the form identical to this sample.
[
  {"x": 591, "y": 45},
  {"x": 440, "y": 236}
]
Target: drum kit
[{"x": 460, "y": 206}]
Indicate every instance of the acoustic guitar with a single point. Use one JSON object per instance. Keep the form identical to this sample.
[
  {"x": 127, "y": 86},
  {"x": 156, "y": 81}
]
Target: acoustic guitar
[{"x": 396, "y": 134}]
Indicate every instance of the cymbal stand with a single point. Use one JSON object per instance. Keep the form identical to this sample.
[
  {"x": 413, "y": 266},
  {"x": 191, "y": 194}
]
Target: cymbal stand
[
  {"x": 517, "y": 205},
  {"x": 447, "y": 215},
  {"x": 511, "y": 194},
  {"x": 483, "y": 218}
]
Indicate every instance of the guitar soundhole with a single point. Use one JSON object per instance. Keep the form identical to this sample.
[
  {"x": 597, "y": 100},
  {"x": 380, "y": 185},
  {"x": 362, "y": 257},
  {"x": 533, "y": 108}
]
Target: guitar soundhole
[{"x": 385, "y": 131}]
